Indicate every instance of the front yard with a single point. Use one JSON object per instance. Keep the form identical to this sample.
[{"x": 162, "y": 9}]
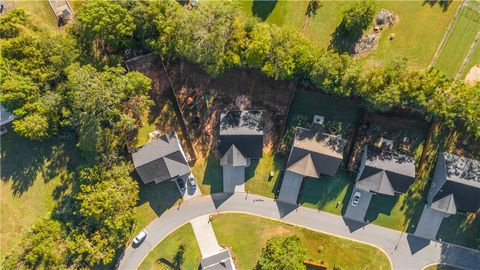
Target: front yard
[{"x": 247, "y": 235}]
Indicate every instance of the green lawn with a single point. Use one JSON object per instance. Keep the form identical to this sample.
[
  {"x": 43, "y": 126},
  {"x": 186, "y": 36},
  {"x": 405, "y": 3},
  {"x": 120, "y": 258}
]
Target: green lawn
[
  {"x": 209, "y": 174},
  {"x": 461, "y": 229},
  {"x": 40, "y": 11},
  {"x": 35, "y": 175},
  {"x": 459, "y": 42},
  {"x": 325, "y": 192},
  {"x": 413, "y": 38},
  {"x": 257, "y": 176},
  {"x": 247, "y": 235},
  {"x": 474, "y": 60},
  {"x": 168, "y": 248},
  {"x": 154, "y": 199}
]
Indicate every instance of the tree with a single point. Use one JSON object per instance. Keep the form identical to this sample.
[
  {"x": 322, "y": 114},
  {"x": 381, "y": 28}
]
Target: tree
[
  {"x": 285, "y": 253},
  {"x": 104, "y": 106},
  {"x": 12, "y": 23},
  {"x": 104, "y": 214},
  {"x": 104, "y": 21},
  {"x": 44, "y": 247},
  {"x": 33, "y": 126},
  {"x": 355, "y": 20}
]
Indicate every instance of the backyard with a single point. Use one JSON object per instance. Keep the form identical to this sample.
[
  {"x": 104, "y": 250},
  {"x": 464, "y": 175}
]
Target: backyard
[{"x": 413, "y": 39}]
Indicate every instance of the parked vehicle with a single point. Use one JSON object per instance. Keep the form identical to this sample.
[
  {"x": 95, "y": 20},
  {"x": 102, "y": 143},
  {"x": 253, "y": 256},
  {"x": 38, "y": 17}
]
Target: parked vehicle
[
  {"x": 356, "y": 198},
  {"x": 181, "y": 184},
  {"x": 191, "y": 181},
  {"x": 138, "y": 239}
]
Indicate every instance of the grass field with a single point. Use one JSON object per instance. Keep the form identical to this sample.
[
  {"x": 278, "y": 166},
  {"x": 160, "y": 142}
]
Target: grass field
[
  {"x": 40, "y": 11},
  {"x": 325, "y": 192},
  {"x": 257, "y": 176},
  {"x": 247, "y": 235},
  {"x": 474, "y": 60},
  {"x": 208, "y": 173},
  {"x": 35, "y": 175},
  {"x": 413, "y": 38},
  {"x": 168, "y": 248},
  {"x": 459, "y": 41}
]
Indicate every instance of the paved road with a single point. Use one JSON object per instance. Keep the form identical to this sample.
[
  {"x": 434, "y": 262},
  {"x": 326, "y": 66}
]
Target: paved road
[{"x": 405, "y": 251}]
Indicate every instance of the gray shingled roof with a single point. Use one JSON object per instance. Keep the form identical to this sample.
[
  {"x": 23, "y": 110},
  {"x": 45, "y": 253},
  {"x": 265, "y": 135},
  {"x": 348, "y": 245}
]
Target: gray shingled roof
[
  {"x": 445, "y": 204},
  {"x": 160, "y": 160},
  {"x": 462, "y": 169},
  {"x": 6, "y": 116},
  {"x": 219, "y": 261},
  {"x": 233, "y": 157},
  {"x": 241, "y": 123},
  {"x": 378, "y": 183},
  {"x": 325, "y": 152}
]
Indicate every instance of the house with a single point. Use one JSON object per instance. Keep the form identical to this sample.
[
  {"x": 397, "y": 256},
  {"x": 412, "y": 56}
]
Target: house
[
  {"x": 240, "y": 140},
  {"x": 6, "y": 118},
  {"x": 381, "y": 171},
  {"x": 455, "y": 188},
  {"x": 455, "y": 185},
  {"x": 220, "y": 261},
  {"x": 161, "y": 160},
  {"x": 314, "y": 153}
]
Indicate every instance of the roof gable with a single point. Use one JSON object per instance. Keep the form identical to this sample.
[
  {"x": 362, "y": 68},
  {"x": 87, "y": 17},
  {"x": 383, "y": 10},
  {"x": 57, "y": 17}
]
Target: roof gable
[
  {"x": 233, "y": 157},
  {"x": 378, "y": 182},
  {"x": 304, "y": 167},
  {"x": 445, "y": 204}
]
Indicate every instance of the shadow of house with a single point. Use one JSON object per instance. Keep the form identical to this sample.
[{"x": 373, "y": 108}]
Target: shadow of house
[
  {"x": 240, "y": 141},
  {"x": 263, "y": 8},
  {"x": 455, "y": 187},
  {"x": 385, "y": 173},
  {"x": 313, "y": 154}
]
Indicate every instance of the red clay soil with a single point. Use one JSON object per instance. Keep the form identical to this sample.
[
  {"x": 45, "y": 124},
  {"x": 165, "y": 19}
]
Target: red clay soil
[{"x": 266, "y": 94}]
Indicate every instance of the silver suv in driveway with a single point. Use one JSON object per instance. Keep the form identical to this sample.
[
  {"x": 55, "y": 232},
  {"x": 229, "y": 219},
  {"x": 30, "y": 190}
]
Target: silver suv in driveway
[{"x": 356, "y": 198}]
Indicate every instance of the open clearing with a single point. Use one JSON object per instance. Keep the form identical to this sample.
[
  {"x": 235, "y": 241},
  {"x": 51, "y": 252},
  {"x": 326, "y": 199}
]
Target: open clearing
[
  {"x": 414, "y": 39},
  {"x": 459, "y": 42}
]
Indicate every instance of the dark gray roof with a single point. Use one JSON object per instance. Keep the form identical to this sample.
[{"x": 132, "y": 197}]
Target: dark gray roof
[
  {"x": 160, "y": 160},
  {"x": 462, "y": 170},
  {"x": 325, "y": 150},
  {"x": 5, "y": 116},
  {"x": 445, "y": 204},
  {"x": 378, "y": 183},
  {"x": 233, "y": 157},
  {"x": 399, "y": 169},
  {"x": 244, "y": 129},
  {"x": 219, "y": 261},
  {"x": 458, "y": 178},
  {"x": 241, "y": 123}
]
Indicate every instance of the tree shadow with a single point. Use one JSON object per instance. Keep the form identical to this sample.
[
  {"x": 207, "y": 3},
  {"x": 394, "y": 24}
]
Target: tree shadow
[
  {"x": 263, "y": 8},
  {"x": 313, "y": 6},
  {"x": 344, "y": 41},
  {"x": 444, "y": 4},
  {"x": 23, "y": 161},
  {"x": 380, "y": 204},
  {"x": 160, "y": 196}
]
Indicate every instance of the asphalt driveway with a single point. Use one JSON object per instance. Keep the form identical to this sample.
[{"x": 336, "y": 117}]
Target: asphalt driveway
[
  {"x": 358, "y": 212},
  {"x": 233, "y": 179},
  {"x": 290, "y": 187}
]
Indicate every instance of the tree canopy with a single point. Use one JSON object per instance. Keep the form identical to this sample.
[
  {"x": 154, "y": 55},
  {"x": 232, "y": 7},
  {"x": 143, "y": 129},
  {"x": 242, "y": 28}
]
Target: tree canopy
[{"x": 286, "y": 253}]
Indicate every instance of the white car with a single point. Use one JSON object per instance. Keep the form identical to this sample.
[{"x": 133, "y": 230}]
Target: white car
[
  {"x": 140, "y": 237},
  {"x": 356, "y": 198},
  {"x": 191, "y": 181}
]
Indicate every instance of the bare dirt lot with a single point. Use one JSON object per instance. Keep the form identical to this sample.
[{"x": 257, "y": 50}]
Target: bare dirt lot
[{"x": 201, "y": 98}]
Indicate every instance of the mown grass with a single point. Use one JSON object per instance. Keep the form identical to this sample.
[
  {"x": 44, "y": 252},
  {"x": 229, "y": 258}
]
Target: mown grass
[
  {"x": 247, "y": 235},
  {"x": 459, "y": 42},
  {"x": 40, "y": 11},
  {"x": 34, "y": 177},
  {"x": 167, "y": 249},
  {"x": 209, "y": 174},
  {"x": 257, "y": 176},
  {"x": 415, "y": 38}
]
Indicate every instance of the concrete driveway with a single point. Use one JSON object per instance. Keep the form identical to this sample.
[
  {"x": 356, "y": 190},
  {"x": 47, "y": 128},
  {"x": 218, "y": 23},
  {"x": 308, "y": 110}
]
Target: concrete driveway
[
  {"x": 190, "y": 192},
  {"x": 206, "y": 239},
  {"x": 429, "y": 223},
  {"x": 358, "y": 212},
  {"x": 233, "y": 179},
  {"x": 290, "y": 187}
]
